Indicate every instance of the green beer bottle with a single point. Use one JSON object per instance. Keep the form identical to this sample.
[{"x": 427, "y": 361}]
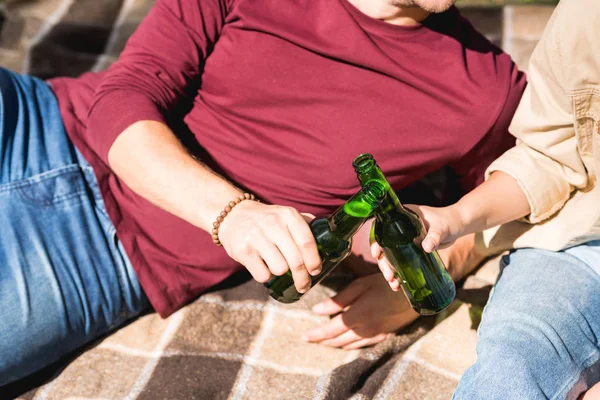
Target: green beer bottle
[
  {"x": 399, "y": 232},
  {"x": 334, "y": 239}
]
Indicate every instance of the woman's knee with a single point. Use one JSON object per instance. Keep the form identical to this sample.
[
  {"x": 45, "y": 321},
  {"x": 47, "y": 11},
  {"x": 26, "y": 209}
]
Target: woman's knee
[{"x": 539, "y": 329}]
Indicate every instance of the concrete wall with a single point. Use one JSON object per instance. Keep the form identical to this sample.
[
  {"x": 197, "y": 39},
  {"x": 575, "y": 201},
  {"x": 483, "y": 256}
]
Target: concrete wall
[{"x": 515, "y": 28}]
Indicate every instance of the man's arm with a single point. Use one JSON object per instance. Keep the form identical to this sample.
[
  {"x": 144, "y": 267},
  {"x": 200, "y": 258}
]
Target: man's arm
[
  {"x": 154, "y": 81},
  {"x": 162, "y": 171}
]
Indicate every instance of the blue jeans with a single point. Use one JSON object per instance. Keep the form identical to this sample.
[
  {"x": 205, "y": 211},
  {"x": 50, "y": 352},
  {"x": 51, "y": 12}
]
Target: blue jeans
[
  {"x": 64, "y": 276},
  {"x": 539, "y": 336}
]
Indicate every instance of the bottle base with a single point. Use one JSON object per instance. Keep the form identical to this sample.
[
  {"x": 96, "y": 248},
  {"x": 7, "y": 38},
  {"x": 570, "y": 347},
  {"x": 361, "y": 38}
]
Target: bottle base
[
  {"x": 426, "y": 310},
  {"x": 284, "y": 299}
]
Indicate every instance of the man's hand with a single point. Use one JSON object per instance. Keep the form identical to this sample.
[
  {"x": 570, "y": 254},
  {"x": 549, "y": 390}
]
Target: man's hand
[
  {"x": 268, "y": 240},
  {"x": 368, "y": 312}
]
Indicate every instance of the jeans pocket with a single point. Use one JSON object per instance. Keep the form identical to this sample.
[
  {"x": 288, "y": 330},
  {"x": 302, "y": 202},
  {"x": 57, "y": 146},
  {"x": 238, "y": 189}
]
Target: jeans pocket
[
  {"x": 92, "y": 184},
  {"x": 48, "y": 189}
]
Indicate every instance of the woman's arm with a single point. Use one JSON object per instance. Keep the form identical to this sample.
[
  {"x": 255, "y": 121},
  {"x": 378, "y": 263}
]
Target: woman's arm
[
  {"x": 497, "y": 201},
  {"x": 537, "y": 177}
]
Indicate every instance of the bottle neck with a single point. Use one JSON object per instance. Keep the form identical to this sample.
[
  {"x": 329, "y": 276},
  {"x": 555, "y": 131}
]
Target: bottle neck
[
  {"x": 374, "y": 173},
  {"x": 348, "y": 219},
  {"x": 344, "y": 225}
]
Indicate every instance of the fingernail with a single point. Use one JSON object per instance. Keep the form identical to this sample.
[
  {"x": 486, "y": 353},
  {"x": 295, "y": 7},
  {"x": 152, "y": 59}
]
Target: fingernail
[
  {"x": 316, "y": 272},
  {"x": 429, "y": 246}
]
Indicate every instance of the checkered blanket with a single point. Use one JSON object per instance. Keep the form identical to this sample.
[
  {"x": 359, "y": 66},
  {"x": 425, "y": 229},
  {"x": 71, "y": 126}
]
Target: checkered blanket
[
  {"x": 236, "y": 343},
  {"x": 232, "y": 343}
]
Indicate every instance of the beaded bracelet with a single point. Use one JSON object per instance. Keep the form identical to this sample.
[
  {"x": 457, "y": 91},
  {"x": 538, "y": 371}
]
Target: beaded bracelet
[{"x": 226, "y": 210}]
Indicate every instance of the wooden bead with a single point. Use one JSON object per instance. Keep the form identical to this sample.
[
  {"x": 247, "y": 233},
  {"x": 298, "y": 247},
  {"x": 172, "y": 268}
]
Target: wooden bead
[{"x": 223, "y": 214}]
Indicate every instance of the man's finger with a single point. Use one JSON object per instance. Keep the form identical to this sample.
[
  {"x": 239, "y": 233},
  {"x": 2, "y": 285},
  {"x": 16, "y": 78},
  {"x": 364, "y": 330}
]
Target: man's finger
[
  {"x": 308, "y": 216},
  {"x": 257, "y": 268},
  {"x": 285, "y": 244},
  {"x": 331, "y": 329},
  {"x": 344, "y": 298},
  {"x": 342, "y": 340},
  {"x": 304, "y": 241},
  {"x": 271, "y": 255},
  {"x": 367, "y": 341},
  {"x": 293, "y": 258}
]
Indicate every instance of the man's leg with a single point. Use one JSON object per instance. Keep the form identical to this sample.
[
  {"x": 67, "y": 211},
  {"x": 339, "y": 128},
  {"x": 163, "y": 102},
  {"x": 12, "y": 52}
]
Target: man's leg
[
  {"x": 539, "y": 335},
  {"x": 64, "y": 277}
]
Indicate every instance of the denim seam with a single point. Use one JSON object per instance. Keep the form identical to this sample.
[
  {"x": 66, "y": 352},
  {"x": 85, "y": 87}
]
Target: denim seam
[
  {"x": 61, "y": 198},
  {"x": 32, "y": 180},
  {"x": 592, "y": 359},
  {"x": 111, "y": 232},
  {"x": 92, "y": 182},
  {"x": 503, "y": 265}
]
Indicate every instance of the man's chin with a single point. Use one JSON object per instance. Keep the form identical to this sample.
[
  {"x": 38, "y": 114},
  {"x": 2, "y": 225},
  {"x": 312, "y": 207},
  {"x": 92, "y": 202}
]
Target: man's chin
[{"x": 432, "y": 6}]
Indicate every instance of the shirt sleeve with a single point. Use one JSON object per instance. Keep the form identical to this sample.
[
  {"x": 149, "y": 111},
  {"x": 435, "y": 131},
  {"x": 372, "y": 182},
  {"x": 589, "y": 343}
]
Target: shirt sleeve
[
  {"x": 159, "y": 70},
  {"x": 546, "y": 162},
  {"x": 472, "y": 166}
]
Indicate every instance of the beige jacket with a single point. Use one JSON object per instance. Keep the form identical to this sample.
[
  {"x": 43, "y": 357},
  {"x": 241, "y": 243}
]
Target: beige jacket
[{"x": 558, "y": 141}]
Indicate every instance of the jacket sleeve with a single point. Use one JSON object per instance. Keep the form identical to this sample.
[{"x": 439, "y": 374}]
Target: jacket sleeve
[{"x": 546, "y": 161}]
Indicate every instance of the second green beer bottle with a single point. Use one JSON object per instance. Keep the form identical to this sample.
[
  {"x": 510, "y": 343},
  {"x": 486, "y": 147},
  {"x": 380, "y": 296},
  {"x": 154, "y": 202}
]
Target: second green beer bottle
[
  {"x": 399, "y": 232},
  {"x": 334, "y": 239}
]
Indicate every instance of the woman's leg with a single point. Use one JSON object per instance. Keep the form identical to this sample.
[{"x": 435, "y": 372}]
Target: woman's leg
[
  {"x": 539, "y": 335},
  {"x": 64, "y": 277}
]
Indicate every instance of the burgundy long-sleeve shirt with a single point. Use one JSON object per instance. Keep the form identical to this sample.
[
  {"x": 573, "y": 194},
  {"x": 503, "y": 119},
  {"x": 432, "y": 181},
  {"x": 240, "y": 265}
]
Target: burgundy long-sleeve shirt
[{"x": 281, "y": 96}]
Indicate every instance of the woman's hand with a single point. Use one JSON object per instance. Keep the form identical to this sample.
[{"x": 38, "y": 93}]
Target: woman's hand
[
  {"x": 444, "y": 226},
  {"x": 270, "y": 240}
]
